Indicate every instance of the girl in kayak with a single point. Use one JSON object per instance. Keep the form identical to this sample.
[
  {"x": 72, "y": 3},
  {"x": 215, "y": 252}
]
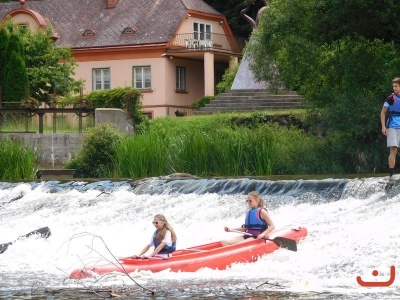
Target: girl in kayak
[
  {"x": 257, "y": 223},
  {"x": 163, "y": 239}
]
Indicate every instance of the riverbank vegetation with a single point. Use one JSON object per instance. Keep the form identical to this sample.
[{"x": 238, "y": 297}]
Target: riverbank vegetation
[
  {"x": 16, "y": 161},
  {"x": 342, "y": 65},
  {"x": 251, "y": 144}
]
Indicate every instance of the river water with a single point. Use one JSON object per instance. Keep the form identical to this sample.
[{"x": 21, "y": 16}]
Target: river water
[{"x": 353, "y": 229}]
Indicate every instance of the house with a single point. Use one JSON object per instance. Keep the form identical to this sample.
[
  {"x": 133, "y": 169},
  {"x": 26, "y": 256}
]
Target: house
[{"x": 173, "y": 51}]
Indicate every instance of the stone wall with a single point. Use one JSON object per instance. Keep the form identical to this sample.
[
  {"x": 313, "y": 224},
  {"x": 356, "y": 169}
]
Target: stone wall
[
  {"x": 115, "y": 116},
  {"x": 55, "y": 149},
  {"x": 51, "y": 148}
]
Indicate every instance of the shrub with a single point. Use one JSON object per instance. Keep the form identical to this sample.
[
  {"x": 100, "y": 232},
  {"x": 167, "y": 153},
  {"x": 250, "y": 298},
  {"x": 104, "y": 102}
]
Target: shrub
[
  {"x": 98, "y": 151},
  {"x": 126, "y": 98},
  {"x": 203, "y": 101},
  {"x": 227, "y": 79}
]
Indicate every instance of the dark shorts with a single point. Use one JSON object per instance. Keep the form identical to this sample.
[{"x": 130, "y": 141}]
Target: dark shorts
[{"x": 252, "y": 231}]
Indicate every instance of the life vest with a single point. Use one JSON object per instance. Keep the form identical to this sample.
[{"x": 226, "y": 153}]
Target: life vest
[
  {"x": 166, "y": 249},
  {"x": 393, "y": 109},
  {"x": 254, "y": 221}
]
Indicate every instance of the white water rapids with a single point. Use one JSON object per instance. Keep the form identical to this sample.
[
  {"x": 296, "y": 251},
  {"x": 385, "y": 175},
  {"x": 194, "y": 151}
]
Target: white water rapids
[{"x": 352, "y": 231}]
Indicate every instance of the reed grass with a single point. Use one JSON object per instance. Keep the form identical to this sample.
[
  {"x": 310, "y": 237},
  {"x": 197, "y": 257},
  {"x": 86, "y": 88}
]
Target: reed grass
[
  {"x": 141, "y": 156},
  {"x": 16, "y": 161},
  {"x": 221, "y": 153}
]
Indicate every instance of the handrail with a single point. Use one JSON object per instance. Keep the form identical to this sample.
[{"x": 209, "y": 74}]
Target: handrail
[{"x": 207, "y": 41}]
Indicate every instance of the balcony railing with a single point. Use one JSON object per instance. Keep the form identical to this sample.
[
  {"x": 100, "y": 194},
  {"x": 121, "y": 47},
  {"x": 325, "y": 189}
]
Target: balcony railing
[{"x": 207, "y": 41}]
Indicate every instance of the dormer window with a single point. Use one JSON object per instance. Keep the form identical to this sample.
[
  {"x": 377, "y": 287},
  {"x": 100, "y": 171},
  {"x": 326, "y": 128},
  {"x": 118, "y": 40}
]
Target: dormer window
[
  {"x": 128, "y": 31},
  {"x": 23, "y": 26},
  {"x": 89, "y": 33}
]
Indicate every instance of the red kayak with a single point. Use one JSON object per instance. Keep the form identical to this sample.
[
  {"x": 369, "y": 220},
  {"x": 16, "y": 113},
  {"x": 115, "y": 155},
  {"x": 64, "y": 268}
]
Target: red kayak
[{"x": 213, "y": 256}]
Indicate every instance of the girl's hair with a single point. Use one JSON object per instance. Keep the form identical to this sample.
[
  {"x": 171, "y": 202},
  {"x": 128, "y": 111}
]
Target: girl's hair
[
  {"x": 256, "y": 195},
  {"x": 161, "y": 233},
  {"x": 396, "y": 80}
]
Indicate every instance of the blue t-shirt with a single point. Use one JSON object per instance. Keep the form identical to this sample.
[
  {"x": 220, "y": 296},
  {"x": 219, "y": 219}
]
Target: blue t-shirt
[{"x": 394, "y": 121}]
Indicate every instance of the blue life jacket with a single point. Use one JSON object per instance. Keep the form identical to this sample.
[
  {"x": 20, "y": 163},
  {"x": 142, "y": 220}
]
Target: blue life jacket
[
  {"x": 254, "y": 221},
  {"x": 393, "y": 109},
  {"x": 166, "y": 249}
]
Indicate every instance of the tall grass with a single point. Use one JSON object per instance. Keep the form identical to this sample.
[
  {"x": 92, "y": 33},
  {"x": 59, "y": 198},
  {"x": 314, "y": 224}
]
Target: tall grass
[
  {"x": 16, "y": 161},
  {"x": 220, "y": 153},
  {"x": 141, "y": 156}
]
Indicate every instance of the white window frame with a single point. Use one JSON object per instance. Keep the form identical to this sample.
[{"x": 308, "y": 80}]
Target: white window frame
[
  {"x": 180, "y": 78},
  {"x": 141, "y": 77},
  {"x": 202, "y": 31},
  {"x": 101, "y": 78}
]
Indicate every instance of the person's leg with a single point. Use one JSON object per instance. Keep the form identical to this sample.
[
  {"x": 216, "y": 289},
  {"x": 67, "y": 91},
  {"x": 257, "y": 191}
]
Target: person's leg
[
  {"x": 392, "y": 143},
  {"x": 392, "y": 157},
  {"x": 232, "y": 241}
]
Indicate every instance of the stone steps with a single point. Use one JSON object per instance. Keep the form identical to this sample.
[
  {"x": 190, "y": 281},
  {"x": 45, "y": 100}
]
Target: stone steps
[{"x": 251, "y": 100}]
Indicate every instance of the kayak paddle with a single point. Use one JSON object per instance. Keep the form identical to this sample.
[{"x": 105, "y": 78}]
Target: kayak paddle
[
  {"x": 279, "y": 241},
  {"x": 43, "y": 232}
]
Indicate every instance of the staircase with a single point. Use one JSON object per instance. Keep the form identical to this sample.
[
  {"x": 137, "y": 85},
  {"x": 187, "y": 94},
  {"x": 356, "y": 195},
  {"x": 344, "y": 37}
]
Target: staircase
[{"x": 251, "y": 100}]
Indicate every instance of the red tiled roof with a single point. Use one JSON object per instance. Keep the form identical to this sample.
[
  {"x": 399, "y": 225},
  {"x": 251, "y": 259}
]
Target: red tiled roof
[{"x": 155, "y": 21}]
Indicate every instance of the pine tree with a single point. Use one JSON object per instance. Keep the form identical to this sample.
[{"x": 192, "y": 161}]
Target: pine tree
[
  {"x": 3, "y": 47},
  {"x": 16, "y": 80}
]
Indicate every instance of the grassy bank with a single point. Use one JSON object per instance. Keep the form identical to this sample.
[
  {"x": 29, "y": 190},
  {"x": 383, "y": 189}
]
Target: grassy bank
[
  {"x": 17, "y": 162},
  {"x": 221, "y": 145}
]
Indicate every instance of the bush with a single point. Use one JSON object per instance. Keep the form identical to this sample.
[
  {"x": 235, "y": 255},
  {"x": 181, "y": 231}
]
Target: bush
[
  {"x": 127, "y": 98},
  {"x": 203, "y": 101},
  {"x": 227, "y": 79},
  {"x": 96, "y": 159}
]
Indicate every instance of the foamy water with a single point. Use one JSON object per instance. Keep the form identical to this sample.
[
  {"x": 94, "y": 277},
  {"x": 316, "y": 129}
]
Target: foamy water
[{"x": 347, "y": 238}]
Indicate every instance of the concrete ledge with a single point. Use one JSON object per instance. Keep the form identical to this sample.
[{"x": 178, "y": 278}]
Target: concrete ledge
[{"x": 55, "y": 174}]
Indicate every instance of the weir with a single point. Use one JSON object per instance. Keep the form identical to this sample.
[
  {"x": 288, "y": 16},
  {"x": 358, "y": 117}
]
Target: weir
[
  {"x": 349, "y": 223},
  {"x": 316, "y": 190}
]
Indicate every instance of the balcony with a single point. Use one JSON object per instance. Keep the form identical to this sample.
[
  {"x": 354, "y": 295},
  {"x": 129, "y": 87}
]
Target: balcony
[{"x": 187, "y": 42}]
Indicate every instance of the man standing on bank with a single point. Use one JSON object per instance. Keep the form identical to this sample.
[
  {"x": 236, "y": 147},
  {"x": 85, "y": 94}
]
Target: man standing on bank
[{"x": 390, "y": 122}]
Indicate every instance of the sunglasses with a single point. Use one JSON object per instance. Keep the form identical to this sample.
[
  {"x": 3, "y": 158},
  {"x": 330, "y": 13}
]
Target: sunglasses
[{"x": 155, "y": 223}]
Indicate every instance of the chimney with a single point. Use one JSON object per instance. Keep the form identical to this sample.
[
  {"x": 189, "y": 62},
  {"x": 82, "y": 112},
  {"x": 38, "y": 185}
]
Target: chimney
[{"x": 111, "y": 3}]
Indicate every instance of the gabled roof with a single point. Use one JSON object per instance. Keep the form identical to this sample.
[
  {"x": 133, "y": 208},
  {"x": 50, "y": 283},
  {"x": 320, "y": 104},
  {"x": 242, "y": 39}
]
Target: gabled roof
[{"x": 154, "y": 21}]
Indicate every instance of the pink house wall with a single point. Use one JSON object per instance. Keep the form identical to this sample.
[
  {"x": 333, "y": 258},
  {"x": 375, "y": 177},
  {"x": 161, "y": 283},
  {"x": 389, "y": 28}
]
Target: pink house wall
[{"x": 161, "y": 99}]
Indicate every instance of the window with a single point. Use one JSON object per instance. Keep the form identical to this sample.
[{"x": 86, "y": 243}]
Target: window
[
  {"x": 148, "y": 115},
  {"x": 142, "y": 77},
  {"x": 180, "y": 79},
  {"x": 202, "y": 31},
  {"x": 101, "y": 79},
  {"x": 89, "y": 33},
  {"x": 128, "y": 31},
  {"x": 23, "y": 26}
]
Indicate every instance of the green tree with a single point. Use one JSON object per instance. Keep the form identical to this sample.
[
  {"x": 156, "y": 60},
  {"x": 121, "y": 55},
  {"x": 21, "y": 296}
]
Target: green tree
[
  {"x": 337, "y": 73},
  {"x": 231, "y": 10},
  {"x": 50, "y": 69},
  {"x": 3, "y": 46},
  {"x": 16, "y": 80},
  {"x": 339, "y": 55}
]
